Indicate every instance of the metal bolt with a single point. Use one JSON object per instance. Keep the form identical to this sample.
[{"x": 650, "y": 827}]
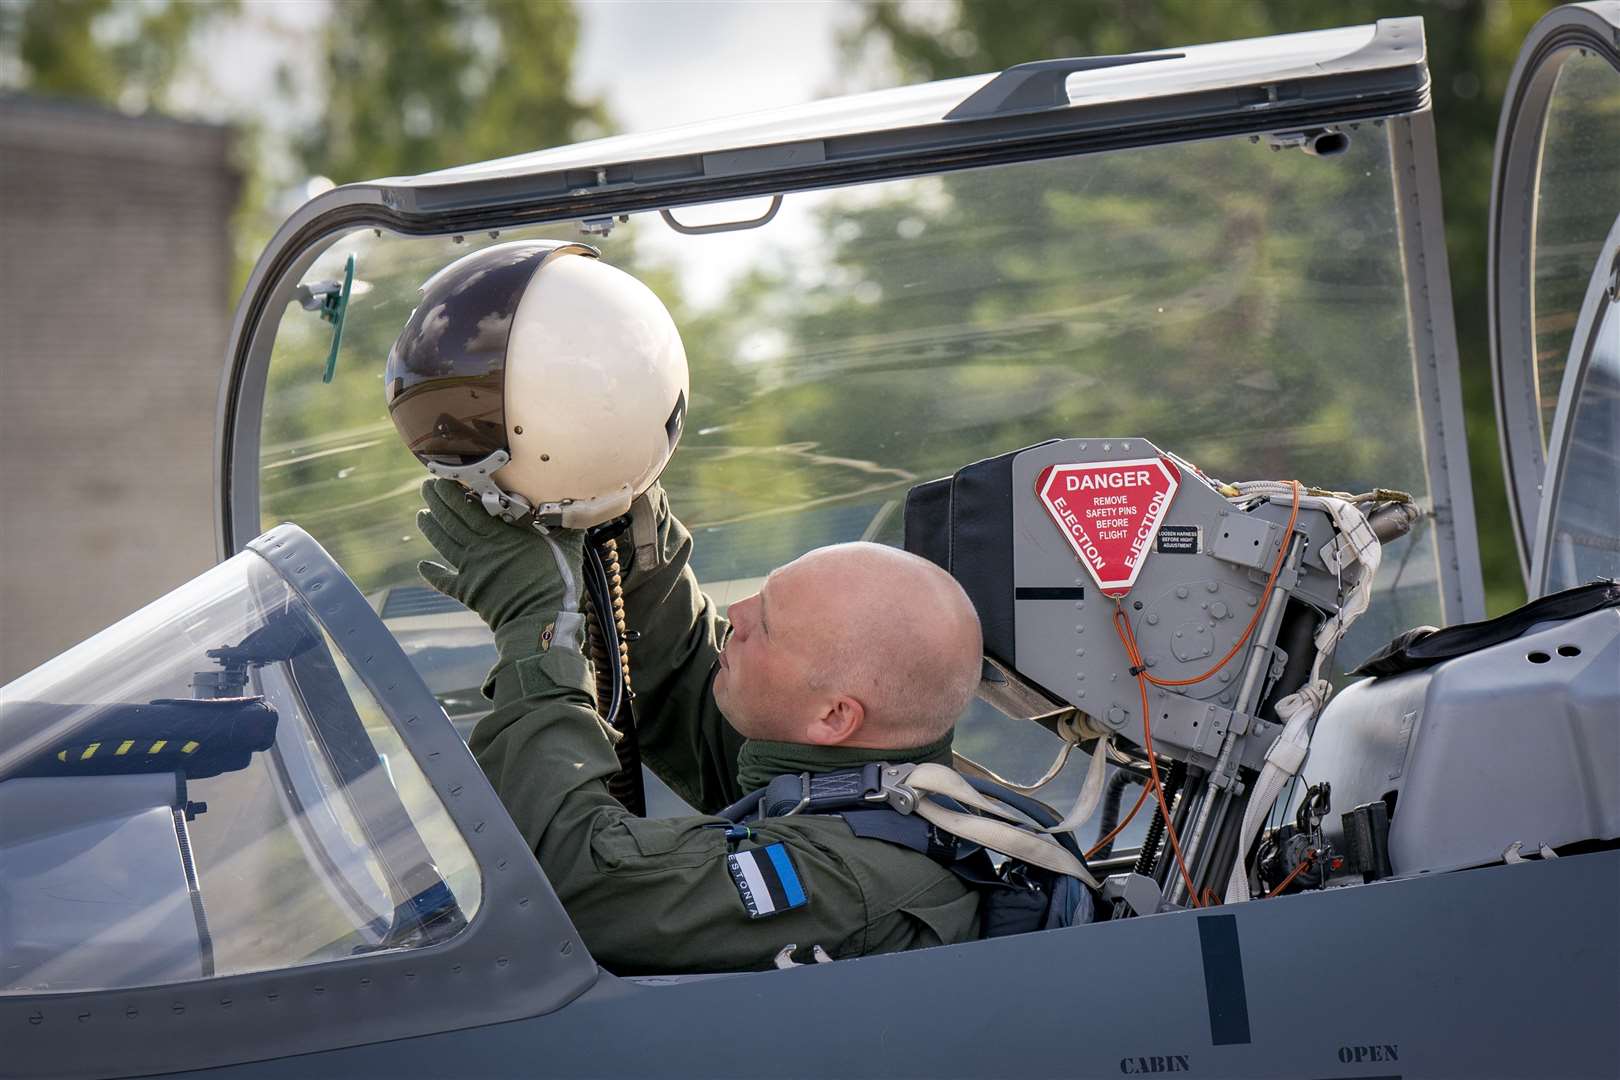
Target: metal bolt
[
  {"x": 1212, "y": 586},
  {"x": 1181, "y": 592},
  {"x": 1152, "y": 619}
]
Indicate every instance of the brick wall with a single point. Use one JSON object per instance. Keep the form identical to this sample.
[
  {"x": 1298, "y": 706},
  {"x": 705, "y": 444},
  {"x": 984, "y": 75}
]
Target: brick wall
[{"x": 115, "y": 268}]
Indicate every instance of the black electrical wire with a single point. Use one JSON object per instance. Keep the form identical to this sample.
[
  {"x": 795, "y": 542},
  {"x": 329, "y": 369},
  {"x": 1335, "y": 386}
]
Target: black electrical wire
[
  {"x": 1115, "y": 791},
  {"x": 625, "y": 785}
]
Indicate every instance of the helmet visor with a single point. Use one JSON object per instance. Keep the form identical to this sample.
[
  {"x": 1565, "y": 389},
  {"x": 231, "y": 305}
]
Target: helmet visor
[{"x": 447, "y": 370}]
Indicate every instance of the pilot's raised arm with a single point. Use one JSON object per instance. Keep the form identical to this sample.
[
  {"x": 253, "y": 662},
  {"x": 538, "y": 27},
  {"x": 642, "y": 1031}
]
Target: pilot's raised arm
[
  {"x": 697, "y": 893},
  {"x": 682, "y": 735},
  {"x": 540, "y": 384}
]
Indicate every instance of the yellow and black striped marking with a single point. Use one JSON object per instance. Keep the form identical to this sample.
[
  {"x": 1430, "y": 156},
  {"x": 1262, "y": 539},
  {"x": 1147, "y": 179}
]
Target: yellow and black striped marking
[{"x": 127, "y": 746}]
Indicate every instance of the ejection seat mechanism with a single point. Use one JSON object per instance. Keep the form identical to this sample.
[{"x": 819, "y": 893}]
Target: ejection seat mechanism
[{"x": 1187, "y": 620}]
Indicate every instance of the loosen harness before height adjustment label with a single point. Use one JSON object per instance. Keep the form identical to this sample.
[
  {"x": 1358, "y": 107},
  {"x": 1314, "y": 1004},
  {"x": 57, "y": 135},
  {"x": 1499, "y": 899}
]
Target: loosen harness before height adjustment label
[{"x": 1109, "y": 512}]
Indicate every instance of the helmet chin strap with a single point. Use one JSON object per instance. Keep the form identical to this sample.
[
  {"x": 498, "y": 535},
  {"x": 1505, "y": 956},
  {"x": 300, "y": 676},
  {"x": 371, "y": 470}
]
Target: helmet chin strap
[{"x": 478, "y": 478}]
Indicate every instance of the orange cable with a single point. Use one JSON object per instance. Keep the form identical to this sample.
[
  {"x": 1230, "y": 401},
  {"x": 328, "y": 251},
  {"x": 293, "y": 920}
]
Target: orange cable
[
  {"x": 1123, "y": 629},
  {"x": 1260, "y": 606},
  {"x": 1310, "y": 857},
  {"x": 1100, "y": 844},
  {"x": 1139, "y": 669}
]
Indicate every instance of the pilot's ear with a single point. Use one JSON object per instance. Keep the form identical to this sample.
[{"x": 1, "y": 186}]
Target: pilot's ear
[{"x": 844, "y": 719}]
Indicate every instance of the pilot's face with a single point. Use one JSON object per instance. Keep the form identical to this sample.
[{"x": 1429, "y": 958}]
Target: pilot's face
[{"x": 763, "y": 685}]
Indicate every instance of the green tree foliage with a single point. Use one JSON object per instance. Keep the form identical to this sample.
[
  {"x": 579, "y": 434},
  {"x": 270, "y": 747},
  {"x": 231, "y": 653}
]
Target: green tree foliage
[
  {"x": 416, "y": 85},
  {"x": 123, "y": 54},
  {"x": 1472, "y": 44}
]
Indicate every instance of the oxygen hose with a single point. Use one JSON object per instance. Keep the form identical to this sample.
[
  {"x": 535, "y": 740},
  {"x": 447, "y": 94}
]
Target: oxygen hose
[{"x": 606, "y": 634}]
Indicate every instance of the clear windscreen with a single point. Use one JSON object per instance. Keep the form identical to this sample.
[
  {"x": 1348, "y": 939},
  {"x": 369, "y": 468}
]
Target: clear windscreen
[
  {"x": 207, "y": 788},
  {"x": 1240, "y": 306},
  {"x": 1575, "y": 201},
  {"x": 1584, "y": 539}
]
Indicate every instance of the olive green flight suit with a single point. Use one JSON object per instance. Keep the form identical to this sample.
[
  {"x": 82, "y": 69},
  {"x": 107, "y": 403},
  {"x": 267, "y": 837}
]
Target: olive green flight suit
[{"x": 656, "y": 895}]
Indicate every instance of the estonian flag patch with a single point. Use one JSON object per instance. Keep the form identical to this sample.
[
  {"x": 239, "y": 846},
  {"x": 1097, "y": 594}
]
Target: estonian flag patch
[{"x": 767, "y": 880}]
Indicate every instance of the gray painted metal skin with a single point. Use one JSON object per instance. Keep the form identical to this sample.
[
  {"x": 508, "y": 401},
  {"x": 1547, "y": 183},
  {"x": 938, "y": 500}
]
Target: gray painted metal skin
[
  {"x": 1473, "y": 746},
  {"x": 1465, "y": 975},
  {"x": 1594, "y": 27},
  {"x": 1386, "y": 79}
]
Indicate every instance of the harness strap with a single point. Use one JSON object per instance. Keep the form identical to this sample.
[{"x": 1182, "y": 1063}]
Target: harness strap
[
  {"x": 997, "y": 835},
  {"x": 877, "y": 800},
  {"x": 1091, "y": 791},
  {"x": 907, "y": 831}
]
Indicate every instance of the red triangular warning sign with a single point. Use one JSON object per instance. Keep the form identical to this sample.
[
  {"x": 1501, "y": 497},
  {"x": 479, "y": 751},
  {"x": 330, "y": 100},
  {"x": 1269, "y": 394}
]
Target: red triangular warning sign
[{"x": 1110, "y": 511}]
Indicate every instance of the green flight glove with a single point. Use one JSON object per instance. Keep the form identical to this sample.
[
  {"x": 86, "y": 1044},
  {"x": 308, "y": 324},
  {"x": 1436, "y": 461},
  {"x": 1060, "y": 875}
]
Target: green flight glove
[{"x": 502, "y": 571}]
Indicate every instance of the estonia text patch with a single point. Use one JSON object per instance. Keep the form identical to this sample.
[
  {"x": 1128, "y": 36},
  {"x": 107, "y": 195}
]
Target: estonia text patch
[{"x": 767, "y": 880}]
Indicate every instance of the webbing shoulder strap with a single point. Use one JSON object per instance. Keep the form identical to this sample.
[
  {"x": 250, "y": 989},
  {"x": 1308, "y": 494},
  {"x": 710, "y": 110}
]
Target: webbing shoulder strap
[
  {"x": 868, "y": 789},
  {"x": 812, "y": 793}
]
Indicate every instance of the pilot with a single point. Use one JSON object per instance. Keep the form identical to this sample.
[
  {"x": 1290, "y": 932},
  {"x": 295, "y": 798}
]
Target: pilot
[{"x": 848, "y": 655}]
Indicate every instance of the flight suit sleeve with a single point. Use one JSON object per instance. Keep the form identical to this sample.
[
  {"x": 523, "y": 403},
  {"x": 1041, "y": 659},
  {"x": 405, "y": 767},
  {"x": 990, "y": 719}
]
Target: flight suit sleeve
[
  {"x": 659, "y": 895},
  {"x": 682, "y": 736}
]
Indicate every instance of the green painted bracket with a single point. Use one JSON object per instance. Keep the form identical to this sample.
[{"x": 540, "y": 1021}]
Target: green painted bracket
[{"x": 333, "y": 310}]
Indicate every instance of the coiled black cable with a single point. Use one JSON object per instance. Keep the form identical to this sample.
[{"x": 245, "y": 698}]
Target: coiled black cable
[{"x": 1148, "y": 859}]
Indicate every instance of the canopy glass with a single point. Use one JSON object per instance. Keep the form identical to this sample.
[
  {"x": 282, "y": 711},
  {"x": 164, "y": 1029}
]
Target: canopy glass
[
  {"x": 1576, "y": 197},
  {"x": 207, "y": 788},
  {"x": 1241, "y": 305}
]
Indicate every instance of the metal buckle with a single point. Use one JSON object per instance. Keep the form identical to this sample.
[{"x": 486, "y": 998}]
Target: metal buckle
[
  {"x": 872, "y": 781},
  {"x": 893, "y": 790},
  {"x": 804, "y": 795}
]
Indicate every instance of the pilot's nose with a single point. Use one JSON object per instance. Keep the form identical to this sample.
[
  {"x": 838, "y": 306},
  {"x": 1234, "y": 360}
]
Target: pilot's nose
[{"x": 742, "y": 617}]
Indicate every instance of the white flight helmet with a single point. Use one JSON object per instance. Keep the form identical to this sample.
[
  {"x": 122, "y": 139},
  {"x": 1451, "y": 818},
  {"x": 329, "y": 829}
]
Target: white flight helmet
[{"x": 541, "y": 378}]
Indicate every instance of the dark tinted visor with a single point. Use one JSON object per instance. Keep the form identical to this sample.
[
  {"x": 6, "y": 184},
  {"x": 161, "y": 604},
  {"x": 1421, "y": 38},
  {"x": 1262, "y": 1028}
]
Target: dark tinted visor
[{"x": 447, "y": 370}]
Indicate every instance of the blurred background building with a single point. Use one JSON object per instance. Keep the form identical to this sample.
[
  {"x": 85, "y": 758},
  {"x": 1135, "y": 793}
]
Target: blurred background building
[
  {"x": 128, "y": 236},
  {"x": 116, "y": 269}
]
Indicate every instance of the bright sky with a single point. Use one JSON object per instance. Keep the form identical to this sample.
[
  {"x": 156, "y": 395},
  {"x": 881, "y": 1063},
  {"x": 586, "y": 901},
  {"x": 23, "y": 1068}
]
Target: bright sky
[
  {"x": 665, "y": 63},
  {"x": 655, "y": 63}
]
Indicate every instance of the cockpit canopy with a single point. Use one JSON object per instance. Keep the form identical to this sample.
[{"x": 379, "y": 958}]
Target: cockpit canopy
[{"x": 208, "y": 788}]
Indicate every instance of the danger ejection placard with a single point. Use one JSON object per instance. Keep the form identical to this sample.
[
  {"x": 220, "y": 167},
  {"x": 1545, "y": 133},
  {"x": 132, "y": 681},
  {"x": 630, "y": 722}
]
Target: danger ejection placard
[{"x": 1109, "y": 511}]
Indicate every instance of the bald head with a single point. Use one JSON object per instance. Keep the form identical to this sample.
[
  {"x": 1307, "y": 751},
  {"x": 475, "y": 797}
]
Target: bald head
[{"x": 892, "y": 630}]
